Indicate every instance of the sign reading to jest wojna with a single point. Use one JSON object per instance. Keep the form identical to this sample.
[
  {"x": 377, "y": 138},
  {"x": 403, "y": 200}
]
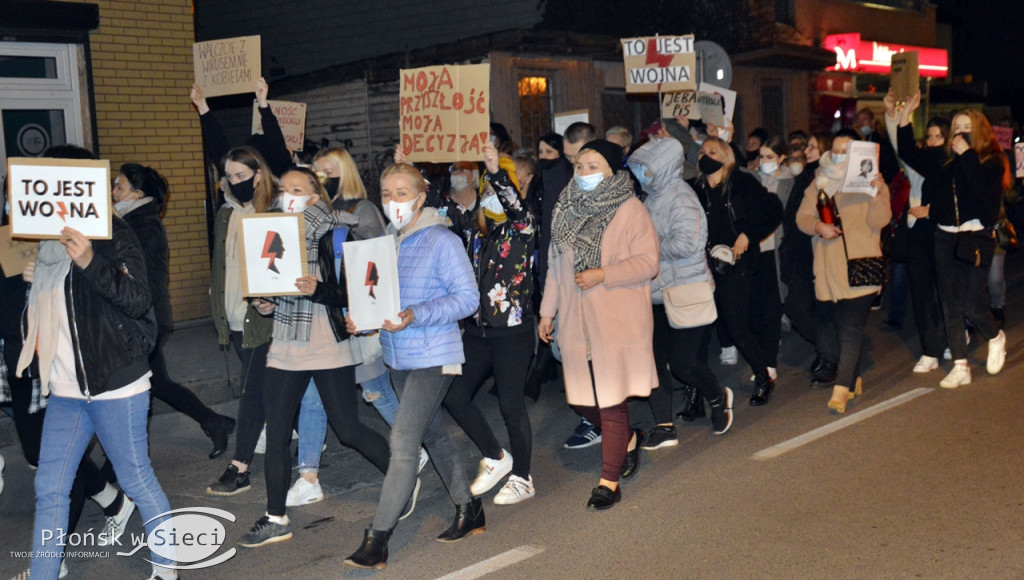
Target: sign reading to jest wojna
[
  {"x": 445, "y": 112},
  {"x": 228, "y": 66},
  {"x": 659, "y": 63},
  {"x": 47, "y": 195}
]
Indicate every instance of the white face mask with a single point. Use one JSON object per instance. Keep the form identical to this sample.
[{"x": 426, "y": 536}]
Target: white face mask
[
  {"x": 796, "y": 168},
  {"x": 838, "y": 158},
  {"x": 120, "y": 206},
  {"x": 589, "y": 182},
  {"x": 459, "y": 182},
  {"x": 401, "y": 212},
  {"x": 295, "y": 203},
  {"x": 768, "y": 167}
]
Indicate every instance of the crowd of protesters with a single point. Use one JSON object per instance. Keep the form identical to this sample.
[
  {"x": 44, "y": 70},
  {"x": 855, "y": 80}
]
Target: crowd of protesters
[{"x": 612, "y": 262}]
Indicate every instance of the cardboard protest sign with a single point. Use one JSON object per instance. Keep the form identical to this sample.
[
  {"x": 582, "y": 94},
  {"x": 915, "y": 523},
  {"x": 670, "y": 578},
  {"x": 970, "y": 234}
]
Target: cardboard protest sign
[
  {"x": 861, "y": 168},
  {"x": 46, "y": 195},
  {"x": 728, "y": 96},
  {"x": 371, "y": 274},
  {"x": 563, "y": 120},
  {"x": 290, "y": 116},
  {"x": 1018, "y": 154},
  {"x": 659, "y": 63},
  {"x": 1004, "y": 136},
  {"x": 905, "y": 76},
  {"x": 445, "y": 112},
  {"x": 15, "y": 254},
  {"x": 712, "y": 111},
  {"x": 273, "y": 254},
  {"x": 227, "y": 66},
  {"x": 682, "y": 103}
]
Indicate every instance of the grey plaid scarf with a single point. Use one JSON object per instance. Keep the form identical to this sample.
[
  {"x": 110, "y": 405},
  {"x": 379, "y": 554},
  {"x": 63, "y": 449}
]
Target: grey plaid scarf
[
  {"x": 294, "y": 314},
  {"x": 581, "y": 217}
]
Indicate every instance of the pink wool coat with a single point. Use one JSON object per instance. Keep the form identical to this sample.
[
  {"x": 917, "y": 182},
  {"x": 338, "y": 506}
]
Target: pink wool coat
[{"x": 614, "y": 317}]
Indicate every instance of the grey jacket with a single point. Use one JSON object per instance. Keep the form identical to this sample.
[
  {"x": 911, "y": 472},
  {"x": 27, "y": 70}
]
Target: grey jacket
[{"x": 678, "y": 217}]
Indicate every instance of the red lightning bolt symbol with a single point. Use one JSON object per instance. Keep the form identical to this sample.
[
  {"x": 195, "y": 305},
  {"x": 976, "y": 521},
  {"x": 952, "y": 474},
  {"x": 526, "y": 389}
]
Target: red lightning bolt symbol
[
  {"x": 653, "y": 57},
  {"x": 63, "y": 211}
]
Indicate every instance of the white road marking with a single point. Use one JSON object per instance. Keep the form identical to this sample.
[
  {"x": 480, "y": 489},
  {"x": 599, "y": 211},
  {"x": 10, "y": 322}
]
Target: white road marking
[
  {"x": 490, "y": 565},
  {"x": 810, "y": 436}
]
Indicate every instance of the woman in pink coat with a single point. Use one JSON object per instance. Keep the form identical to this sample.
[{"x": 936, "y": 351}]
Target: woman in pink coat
[{"x": 604, "y": 253}]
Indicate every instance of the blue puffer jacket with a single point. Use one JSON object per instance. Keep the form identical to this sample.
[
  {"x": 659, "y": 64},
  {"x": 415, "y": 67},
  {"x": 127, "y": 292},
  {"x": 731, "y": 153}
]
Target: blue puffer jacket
[{"x": 435, "y": 281}]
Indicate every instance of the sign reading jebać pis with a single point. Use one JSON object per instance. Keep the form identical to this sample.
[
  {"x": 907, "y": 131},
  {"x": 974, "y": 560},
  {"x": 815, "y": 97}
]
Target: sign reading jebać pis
[
  {"x": 46, "y": 195},
  {"x": 659, "y": 63},
  {"x": 445, "y": 112}
]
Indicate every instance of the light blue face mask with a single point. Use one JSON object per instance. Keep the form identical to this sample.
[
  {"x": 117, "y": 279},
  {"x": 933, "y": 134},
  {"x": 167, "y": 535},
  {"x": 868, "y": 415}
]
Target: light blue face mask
[
  {"x": 641, "y": 175},
  {"x": 589, "y": 182},
  {"x": 838, "y": 158}
]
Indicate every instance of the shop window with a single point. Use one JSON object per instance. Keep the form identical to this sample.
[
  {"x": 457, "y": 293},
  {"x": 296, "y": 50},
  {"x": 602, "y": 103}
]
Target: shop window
[{"x": 534, "y": 108}]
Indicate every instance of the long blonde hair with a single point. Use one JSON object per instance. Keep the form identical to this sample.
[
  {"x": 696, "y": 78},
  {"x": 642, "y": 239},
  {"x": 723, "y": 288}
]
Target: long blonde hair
[{"x": 351, "y": 186}]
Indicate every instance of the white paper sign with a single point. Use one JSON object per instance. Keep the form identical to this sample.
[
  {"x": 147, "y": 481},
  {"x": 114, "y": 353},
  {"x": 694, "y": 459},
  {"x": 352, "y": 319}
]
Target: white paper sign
[
  {"x": 274, "y": 254},
  {"x": 862, "y": 168},
  {"x": 727, "y": 94},
  {"x": 563, "y": 120},
  {"x": 46, "y": 195},
  {"x": 371, "y": 275},
  {"x": 290, "y": 116}
]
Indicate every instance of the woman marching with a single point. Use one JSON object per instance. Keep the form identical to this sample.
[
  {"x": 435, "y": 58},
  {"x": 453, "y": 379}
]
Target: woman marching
[
  {"x": 966, "y": 179},
  {"x": 424, "y": 352},
  {"x": 499, "y": 340},
  {"x": 604, "y": 253},
  {"x": 845, "y": 300}
]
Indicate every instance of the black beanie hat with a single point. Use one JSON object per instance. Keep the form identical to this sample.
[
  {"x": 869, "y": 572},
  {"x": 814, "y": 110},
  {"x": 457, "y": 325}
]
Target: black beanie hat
[{"x": 611, "y": 152}]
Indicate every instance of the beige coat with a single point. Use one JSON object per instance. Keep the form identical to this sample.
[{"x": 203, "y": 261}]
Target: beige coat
[
  {"x": 614, "y": 317},
  {"x": 863, "y": 218}
]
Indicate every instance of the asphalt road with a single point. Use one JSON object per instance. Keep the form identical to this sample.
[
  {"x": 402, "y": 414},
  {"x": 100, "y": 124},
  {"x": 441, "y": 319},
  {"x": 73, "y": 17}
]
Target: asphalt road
[{"x": 914, "y": 481}]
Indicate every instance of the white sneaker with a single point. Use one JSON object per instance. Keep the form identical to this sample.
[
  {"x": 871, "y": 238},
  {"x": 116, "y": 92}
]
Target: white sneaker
[
  {"x": 116, "y": 524},
  {"x": 996, "y": 354},
  {"x": 515, "y": 490},
  {"x": 303, "y": 492},
  {"x": 491, "y": 472},
  {"x": 960, "y": 375},
  {"x": 729, "y": 356},
  {"x": 2, "y": 465},
  {"x": 261, "y": 443},
  {"x": 411, "y": 505},
  {"x": 424, "y": 458},
  {"x": 926, "y": 363}
]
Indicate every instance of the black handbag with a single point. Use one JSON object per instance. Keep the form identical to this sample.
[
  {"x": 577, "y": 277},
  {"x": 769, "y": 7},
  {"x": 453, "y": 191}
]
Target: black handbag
[
  {"x": 974, "y": 247},
  {"x": 865, "y": 271}
]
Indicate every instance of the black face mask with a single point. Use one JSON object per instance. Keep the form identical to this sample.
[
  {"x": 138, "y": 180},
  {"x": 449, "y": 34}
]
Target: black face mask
[
  {"x": 333, "y": 183},
  {"x": 244, "y": 190},
  {"x": 548, "y": 163},
  {"x": 709, "y": 165},
  {"x": 752, "y": 155}
]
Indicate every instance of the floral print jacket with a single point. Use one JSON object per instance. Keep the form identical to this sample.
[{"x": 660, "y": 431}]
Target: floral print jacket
[{"x": 503, "y": 261}]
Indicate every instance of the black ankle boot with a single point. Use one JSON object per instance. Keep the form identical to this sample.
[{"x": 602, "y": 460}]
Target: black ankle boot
[
  {"x": 372, "y": 553},
  {"x": 825, "y": 376},
  {"x": 218, "y": 428},
  {"x": 693, "y": 404},
  {"x": 763, "y": 387},
  {"x": 469, "y": 520}
]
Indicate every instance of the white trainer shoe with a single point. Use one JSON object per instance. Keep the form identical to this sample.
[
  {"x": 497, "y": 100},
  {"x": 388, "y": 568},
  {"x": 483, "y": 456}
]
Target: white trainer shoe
[
  {"x": 303, "y": 492},
  {"x": 960, "y": 375},
  {"x": 116, "y": 524},
  {"x": 926, "y": 363},
  {"x": 424, "y": 458},
  {"x": 996, "y": 354},
  {"x": 491, "y": 472},
  {"x": 729, "y": 356},
  {"x": 515, "y": 490}
]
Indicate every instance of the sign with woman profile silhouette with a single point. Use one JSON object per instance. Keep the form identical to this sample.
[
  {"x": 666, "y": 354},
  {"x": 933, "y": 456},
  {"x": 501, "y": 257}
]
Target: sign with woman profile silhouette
[{"x": 273, "y": 254}]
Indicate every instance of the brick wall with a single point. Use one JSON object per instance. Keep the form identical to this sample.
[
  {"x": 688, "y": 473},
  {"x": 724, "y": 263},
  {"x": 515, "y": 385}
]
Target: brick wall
[{"x": 142, "y": 73}]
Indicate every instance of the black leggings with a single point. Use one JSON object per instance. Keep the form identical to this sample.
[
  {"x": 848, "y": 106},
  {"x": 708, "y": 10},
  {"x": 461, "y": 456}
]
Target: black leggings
[
  {"x": 339, "y": 393},
  {"x": 178, "y": 397},
  {"x": 683, "y": 353},
  {"x": 250, "y": 405},
  {"x": 732, "y": 298},
  {"x": 507, "y": 357},
  {"x": 766, "y": 308}
]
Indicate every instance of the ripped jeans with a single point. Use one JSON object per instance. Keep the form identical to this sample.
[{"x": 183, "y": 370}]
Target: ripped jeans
[{"x": 313, "y": 419}]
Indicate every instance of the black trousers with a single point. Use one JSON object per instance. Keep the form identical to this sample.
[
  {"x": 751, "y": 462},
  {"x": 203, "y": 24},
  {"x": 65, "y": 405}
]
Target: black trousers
[
  {"x": 842, "y": 336},
  {"x": 180, "y": 398},
  {"x": 250, "y": 405},
  {"x": 506, "y": 357},
  {"x": 682, "y": 353},
  {"x": 963, "y": 290},
  {"x": 339, "y": 393},
  {"x": 29, "y": 426},
  {"x": 924, "y": 300},
  {"x": 732, "y": 298},
  {"x": 766, "y": 308}
]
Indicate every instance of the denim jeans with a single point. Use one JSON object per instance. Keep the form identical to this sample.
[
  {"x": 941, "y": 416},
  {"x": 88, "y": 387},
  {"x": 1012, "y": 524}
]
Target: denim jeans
[
  {"x": 120, "y": 425},
  {"x": 313, "y": 419},
  {"x": 419, "y": 420}
]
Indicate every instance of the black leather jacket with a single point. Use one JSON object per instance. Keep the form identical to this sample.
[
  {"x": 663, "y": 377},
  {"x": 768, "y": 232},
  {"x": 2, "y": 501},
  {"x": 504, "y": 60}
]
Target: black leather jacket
[
  {"x": 330, "y": 292},
  {"x": 113, "y": 326}
]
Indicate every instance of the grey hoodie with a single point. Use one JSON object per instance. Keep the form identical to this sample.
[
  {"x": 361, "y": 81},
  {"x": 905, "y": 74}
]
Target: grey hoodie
[{"x": 677, "y": 214}]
